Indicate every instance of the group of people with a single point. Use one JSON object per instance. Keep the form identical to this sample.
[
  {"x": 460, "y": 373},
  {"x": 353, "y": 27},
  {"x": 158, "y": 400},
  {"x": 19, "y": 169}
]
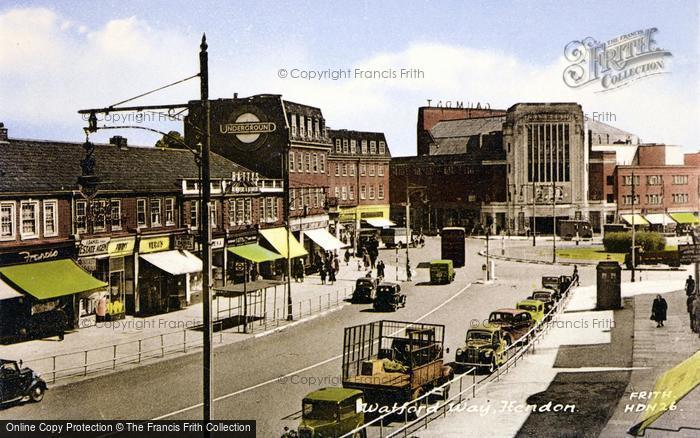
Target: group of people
[{"x": 328, "y": 266}]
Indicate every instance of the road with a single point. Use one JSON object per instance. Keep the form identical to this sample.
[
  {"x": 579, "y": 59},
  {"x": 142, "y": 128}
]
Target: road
[{"x": 265, "y": 378}]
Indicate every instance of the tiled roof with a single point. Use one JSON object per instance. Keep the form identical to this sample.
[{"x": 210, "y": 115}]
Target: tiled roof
[
  {"x": 33, "y": 166},
  {"x": 359, "y": 136},
  {"x": 301, "y": 109},
  {"x": 467, "y": 127}
]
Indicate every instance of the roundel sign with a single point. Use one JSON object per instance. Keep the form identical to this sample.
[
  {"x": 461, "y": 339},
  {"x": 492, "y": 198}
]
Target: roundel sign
[{"x": 247, "y": 128}]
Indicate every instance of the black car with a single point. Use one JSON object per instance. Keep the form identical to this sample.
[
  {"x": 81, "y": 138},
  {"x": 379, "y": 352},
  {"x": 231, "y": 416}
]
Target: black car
[
  {"x": 19, "y": 384},
  {"x": 389, "y": 298},
  {"x": 365, "y": 289}
]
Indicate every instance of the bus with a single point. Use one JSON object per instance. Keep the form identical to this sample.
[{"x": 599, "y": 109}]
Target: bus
[{"x": 452, "y": 245}]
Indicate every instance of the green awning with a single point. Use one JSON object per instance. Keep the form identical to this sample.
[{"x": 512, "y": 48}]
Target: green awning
[
  {"x": 685, "y": 218},
  {"x": 254, "y": 252},
  {"x": 56, "y": 278},
  {"x": 637, "y": 218},
  {"x": 278, "y": 239}
]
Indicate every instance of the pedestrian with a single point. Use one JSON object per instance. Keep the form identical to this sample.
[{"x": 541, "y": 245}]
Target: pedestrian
[
  {"x": 331, "y": 275},
  {"x": 689, "y": 307},
  {"x": 300, "y": 270},
  {"x": 347, "y": 257},
  {"x": 61, "y": 323},
  {"x": 695, "y": 326},
  {"x": 421, "y": 240},
  {"x": 658, "y": 311},
  {"x": 574, "y": 276},
  {"x": 366, "y": 260},
  {"x": 380, "y": 269},
  {"x": 690, "y": 286},
  {"x": 322, "y": 273},
  {"x": 336, "y": 264}
]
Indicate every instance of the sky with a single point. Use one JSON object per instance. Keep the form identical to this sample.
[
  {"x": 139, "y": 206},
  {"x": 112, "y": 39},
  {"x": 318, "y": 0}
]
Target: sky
[{"x": 58, "y": 58}]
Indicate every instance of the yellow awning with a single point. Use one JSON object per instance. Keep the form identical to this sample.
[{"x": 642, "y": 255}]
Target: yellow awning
[
  {"x": 637, "y": 218},
  {"x": 277, "y": 237}
]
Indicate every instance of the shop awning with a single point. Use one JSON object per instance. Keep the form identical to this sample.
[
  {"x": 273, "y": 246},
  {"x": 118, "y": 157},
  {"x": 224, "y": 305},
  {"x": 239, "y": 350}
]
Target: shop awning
[
  {"x": 7, "y": 292},
  {"x": 324, "y": 239},
  {"x": 52, "y": 279},
  {"x": 278, "y": 239},
  {"x": 380, "y": 223},
  {"x": 685, "y": 218},
  {"x": 175, "y": 262},
  {"x": 659, "y": 219},
  {"x": 254, "y": 252},
  {"x": 638, "y": 219}
]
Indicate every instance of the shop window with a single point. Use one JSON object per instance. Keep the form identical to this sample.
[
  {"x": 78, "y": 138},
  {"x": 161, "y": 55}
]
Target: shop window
[
  {"x": 170, "y": 212},
  {"x": 7, "y": 221},
  {"x": 30, "y": 219},
  {"x": 115, "y": 214},
  {"x": 80, "y": 216},
  {"x": 155, "y": 212},
  {"x": 141, "y": 213},
  {"x": 50, "y": 218}
]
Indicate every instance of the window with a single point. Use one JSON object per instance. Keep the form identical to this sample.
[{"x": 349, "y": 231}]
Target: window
[
  {"x": 654, "y": 199},
  {"x": 294, "y": 125},
  {"x": 141, "y": 213},
  {"x": 155, "y": 212},
  {"x": 654, "y": 180},
  {"x": 371, "y": 170},
  {"x": 317, "y": 198},
  {"x": 194, "y": 214},
  {"x": 100, "y": 214},
  {"x": 212, "y": 214},
  {"x": 371, "y": 191},
  {"x": 170, "y": 211},
  {"x": 680, "y": 179},
  {"x": 248, "y": 216},
  {"x": 344, "y": 193},
  {"x": 190, "y": 186},
  {"x": 363, "y": 192},
  {"x": 353, "y": 146},
  {"x": 30, "y": 219},
  {"x": 345, "y": 145},
  {"x": 291, "y": 161},
  {"x": 382, "y": 148},
  {"x": 628, "y": 180},
  {"x": 300, "y": 162},
  {"x": 80, "y": 216},
  {"x": 364, "y": 146},
  {"x": 680, "y": 198},
  {"x": 609, "y": 180},
  {"x": 351, "y": 192},
  {"x": 380, "y": 169},
  {"x": 627, "y": 199},
  {"x": 317, "y": 128},
  {"x": 315, "y": 163},
  {"x": 352, "y": 170},
  {"x": 7, "y": 220},
  {"x": 345, "y": 169},
  {"x": 337, "y": 145},
  {"x": 309, "y": 127},
  {"x": 301, "y": 127},
  {"x": 322, "y": 167},
  {"x": 337, "y": 169},
  {"x": 363, "y": 169},
  {"x": 380, "y": 191},
  {"x": 337, "y": 192},
  {"x": 115, "y": 214},
  {"x": 471, "y": 198},
  {"x": 307, "y": 162},
  {"x": 610, "y": 198},
  {"x": 372, "y": 147},
  {"x": 50, "y": 218}
]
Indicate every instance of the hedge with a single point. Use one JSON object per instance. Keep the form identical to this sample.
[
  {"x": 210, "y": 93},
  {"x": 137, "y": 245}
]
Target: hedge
[{"x": 621, "y": 242}]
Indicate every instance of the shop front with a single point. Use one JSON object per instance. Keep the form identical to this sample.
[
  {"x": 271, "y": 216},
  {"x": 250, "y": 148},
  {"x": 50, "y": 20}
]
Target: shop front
[
  {"x": 168, "y": 279},
  {"x": 276, "y": 239},
  {"x": 299, "y": 228},
  {"x": 234, "y": 266}
]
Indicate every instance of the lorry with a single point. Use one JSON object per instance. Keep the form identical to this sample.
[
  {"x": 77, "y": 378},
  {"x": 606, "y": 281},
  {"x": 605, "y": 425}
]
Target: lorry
[
  {"x": 329, "y": 412},
  {"x": 441, "y": 272},
  {"x": 394, "y": 361},
  {"x": 572, "y": 229}
]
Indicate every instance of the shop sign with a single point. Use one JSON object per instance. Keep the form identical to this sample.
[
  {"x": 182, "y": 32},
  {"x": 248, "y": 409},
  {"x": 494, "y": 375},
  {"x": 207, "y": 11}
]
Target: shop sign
[
  {"x": 184, "y": 242},
  {"x": 93, "y": 247},
  {"x": 121, "y": 247},
  {"x": 88, "y": 263},
  {"x": 38, "y": 255},
  {"x": 154, "y": 244},
  {"x": 217, "y": 243}
]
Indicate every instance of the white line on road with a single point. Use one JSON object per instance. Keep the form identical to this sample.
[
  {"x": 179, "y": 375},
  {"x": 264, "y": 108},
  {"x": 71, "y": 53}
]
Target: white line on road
[{"x": 277, "y": 379}]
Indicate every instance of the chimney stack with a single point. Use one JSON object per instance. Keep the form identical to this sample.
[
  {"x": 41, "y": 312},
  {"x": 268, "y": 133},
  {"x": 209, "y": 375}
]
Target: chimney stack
[
  {"x": 3, "y": 133},
  {"x": 119, "y": 141},
  {"x": 235, "y": 95}
]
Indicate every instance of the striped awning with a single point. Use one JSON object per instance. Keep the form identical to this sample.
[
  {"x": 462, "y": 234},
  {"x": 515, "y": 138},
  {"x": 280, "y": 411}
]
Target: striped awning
[
  {"x": 635, "y": 219},
  {"x": 659, "y": 219}
]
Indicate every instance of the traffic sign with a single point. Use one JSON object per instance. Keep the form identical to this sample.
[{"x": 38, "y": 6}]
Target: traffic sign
[{"x": 689, "y": 253}]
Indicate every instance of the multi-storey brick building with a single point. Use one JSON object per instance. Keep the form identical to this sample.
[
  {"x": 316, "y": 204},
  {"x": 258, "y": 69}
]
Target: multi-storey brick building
[{"x": 358, "y": 173}]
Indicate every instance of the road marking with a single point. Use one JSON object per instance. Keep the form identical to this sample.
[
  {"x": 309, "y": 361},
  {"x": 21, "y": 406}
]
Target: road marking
[{"x": 277, "y": 379}]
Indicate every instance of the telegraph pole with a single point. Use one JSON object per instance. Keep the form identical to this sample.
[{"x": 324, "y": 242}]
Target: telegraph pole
[
  {"x": 205, "y": 237},
  {"x": 285, "y": 170},
  {"x": 633, "y": 232}
]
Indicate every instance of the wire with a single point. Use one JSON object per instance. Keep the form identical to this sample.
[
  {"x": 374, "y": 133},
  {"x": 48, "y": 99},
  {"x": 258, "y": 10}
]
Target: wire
[{"x": 155, "y": 90}]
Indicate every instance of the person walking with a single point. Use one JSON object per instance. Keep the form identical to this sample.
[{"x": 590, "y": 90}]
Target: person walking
[
  {"x": 347, "y": 257},
  {"x": 689, "y": 306},
  {"x": 574, "y": 276},
  {"x": 690, "y": 285},
  {"x": 322, "y": 273},
  {"x": 336, "y": 264},
  {"x": 380, "y": 269},
  {"x": 658, "y": 310},
  {"x": 331, "y": 274}
]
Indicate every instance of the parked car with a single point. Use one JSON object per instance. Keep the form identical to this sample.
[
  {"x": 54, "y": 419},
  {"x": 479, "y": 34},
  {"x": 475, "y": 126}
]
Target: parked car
[
  {"x": 547, "y": 296},
  {"x": 484, "y": 349},
  {"x": 534, "y": 307},
  {"x": 19, "y": 383},
  {"x": 441, "y": 272},
  {"x": 329, "y": 412},
  {"x": 389, "y": 298},
  {"x": 559, "y": 284},
  {"x": 365, "y": 290},
  {"x": 514, "y": 323}
]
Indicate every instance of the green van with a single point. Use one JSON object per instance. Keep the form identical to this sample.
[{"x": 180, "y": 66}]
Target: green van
[
  {"x": 330, "y": 412},
  {"x": 441, "y": 272}
]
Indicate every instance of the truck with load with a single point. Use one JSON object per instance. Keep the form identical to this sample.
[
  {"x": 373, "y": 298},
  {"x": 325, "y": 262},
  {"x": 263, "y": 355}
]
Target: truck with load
[{"x": 394, "y": 361}]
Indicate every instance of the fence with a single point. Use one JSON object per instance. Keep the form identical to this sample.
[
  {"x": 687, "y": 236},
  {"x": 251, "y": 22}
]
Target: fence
[
  {"x": 102, "y": 359},
  {"x": 412, "y": 423}
]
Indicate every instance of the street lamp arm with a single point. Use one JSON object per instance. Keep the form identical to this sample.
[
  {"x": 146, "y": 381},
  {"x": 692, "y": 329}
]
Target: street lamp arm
[{"x": 145, "y": 128}]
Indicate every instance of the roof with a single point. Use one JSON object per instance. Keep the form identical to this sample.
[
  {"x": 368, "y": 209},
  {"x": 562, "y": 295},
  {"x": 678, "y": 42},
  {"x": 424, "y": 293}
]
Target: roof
[
  {"x": 359, "y": 136},
  {"x": 511, "y": 311},
  {"x": 603, "y": 129},
  {"x": 467, "y": 127},
  {"x": 301, "y": 109},
  {"x": 332, "y": 394},
  {"x": 533, "y": 302},
  {"x": 31, "y": 166},
  {"x": 486, "y": 327}
]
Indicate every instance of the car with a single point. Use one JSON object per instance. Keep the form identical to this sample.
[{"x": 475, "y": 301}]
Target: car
[
  {"x": 484, "y": 348},
  {"x": 534, "y": 307},
  {"x": 547, "y": 296},
  {"x": 389, "y": 297},
  {"x": 330, "y": 412},
  {"x": 515, "y": 323},
  {"x": 441, "y": 272},
  {"x": 19, "y": 383},
  {"x": 365, "y": 290}
]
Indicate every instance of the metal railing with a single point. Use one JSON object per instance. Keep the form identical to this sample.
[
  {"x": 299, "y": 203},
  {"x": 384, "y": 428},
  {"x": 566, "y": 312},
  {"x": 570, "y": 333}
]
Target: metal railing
[
  {"x": 93, "y": 361},
  {"x": 514, "y": 353}
]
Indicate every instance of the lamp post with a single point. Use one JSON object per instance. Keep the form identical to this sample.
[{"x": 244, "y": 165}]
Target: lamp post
[{"x": 633, "y": 232}]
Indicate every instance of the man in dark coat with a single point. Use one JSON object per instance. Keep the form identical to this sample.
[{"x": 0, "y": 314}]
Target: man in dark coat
[
  {"x": 690, "y": 285},
  {"x": 658, "y": 311}
]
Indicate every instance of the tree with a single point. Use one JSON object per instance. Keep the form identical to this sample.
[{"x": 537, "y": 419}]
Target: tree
[{"x": 172, "y": 140}]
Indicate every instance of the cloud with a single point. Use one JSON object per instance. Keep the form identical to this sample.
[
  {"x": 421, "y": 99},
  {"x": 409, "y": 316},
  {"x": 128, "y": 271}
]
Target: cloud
[{"x": 51, "y": 66}]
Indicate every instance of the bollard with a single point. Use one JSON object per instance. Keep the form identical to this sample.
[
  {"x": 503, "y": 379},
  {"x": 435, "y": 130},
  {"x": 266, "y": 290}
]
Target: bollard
[
  {"x": 54, "y": 370},
  {"x": 86, "y": 362},
  {"x": 114, "y": 356},
  {"x": 184, "y": 341},
  {"x": 162, "y": 346},
  {"x": 139, "y": 351}
]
